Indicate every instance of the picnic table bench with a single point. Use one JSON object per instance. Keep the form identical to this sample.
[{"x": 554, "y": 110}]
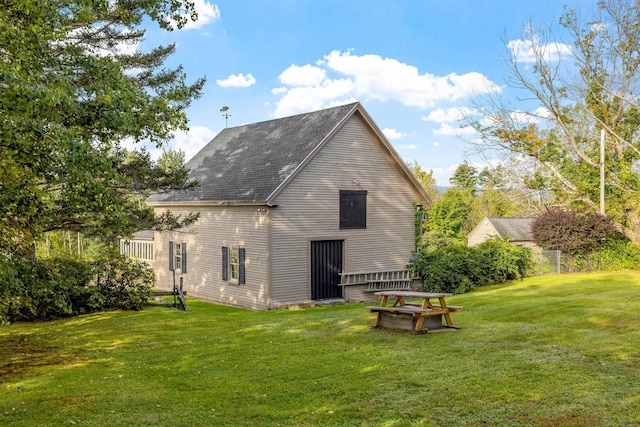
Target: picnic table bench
[{"x": 420, "y": 317}]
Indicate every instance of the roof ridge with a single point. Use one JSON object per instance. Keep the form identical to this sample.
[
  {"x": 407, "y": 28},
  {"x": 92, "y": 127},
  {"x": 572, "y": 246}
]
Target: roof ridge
[
  {"x": 293, "y": 116},
  {"x": 250, "y": 162}
]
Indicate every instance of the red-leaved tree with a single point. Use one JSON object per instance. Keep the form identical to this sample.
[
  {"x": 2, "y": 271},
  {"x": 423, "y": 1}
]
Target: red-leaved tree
[{"x": 572, "y": 232}]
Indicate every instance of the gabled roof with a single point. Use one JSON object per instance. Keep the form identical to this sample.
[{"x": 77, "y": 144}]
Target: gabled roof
[
  {"x": 517, "y": 228},
  {"x": 250, "y": 163}
]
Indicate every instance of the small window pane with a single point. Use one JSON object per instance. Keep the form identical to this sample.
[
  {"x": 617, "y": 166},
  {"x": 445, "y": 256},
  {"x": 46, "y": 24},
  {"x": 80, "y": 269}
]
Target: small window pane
[
  {"x": 178, "y": 254},
  {"x": 234, "y": 264}
]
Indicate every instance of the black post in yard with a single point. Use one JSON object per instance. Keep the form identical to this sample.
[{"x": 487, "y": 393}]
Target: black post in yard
[
  {"x": 183, "y": 304},
  {"x": 175, "y": 290}
]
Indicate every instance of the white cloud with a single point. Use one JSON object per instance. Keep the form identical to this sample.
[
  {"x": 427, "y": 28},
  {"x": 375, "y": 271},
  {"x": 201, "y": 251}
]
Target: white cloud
[
  {"x": 442, "y": 175},
  {"x": 392, "y": 133},
  {"x": 306, "y": 75},
  {"x": 207, "y": 12},
  {"x": 342, "y": 101},
  {"x": 448, "y": 130},
  {"x": 528, "y": 50},
  {"x": 122, "y": 48},
  {"x": 192, "y": 141},
  {"x": 237, "y": 81},
  {"x": 543, "y": 112},
  {"x": 523, "y": 117},
  {"x": 491, "y": 120},
  {"x": 342, "y": 75},
  {"x": 387, "y": 79},
  {"x": 449, "y": 115},
  {"x": 310, "y": 98},
  {"x": 407, "y": 147},
  {"x": 436, "y": 143}
]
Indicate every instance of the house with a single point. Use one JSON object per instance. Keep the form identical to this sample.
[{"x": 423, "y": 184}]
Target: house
[
  {"x": 139, "y": 247},
  {"x": 516, "y": 228},
  {"x": 287, "y": 205}
]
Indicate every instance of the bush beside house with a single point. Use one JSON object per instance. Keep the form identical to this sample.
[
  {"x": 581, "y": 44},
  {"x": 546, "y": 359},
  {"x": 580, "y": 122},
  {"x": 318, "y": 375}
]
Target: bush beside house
[
  {"x": 55, "y": 288},
  {"x": 458, "y": 268}
]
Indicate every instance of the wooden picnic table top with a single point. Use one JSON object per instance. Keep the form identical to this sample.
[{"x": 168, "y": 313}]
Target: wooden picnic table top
[{"x": 419, "y": 311}]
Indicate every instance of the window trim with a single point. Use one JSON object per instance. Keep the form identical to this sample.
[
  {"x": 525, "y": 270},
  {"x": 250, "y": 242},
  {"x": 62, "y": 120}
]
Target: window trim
[
  {"x": 361, "y": 220},
  {"x": 233, "y": 272},
  {"x": 234, "y": 267},
  {"x": 177, "y": 257}
]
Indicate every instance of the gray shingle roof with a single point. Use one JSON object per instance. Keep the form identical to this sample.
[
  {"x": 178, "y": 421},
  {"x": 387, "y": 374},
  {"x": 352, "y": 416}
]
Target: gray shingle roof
[
  {"x": 517, "y": 228},
  {"x": 248, "y": 163},
  {"x": 144, "y": 234}
]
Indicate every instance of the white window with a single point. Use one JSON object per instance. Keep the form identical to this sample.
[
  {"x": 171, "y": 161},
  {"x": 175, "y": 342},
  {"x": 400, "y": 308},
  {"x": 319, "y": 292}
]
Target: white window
[
  {"x": 177, "y": 252},
  {"x": 234, "y": 264}
]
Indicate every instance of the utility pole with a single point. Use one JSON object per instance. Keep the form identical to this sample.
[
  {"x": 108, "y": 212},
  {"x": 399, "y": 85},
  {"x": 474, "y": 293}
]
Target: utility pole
[
  {"x": 226, "y": 115},
  {"x": 602, "y": 171}
]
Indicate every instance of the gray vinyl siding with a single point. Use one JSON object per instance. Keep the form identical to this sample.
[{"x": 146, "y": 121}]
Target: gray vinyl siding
[
  {"x": 243, "y": 226},
  {"x": 308, "y": 209}
]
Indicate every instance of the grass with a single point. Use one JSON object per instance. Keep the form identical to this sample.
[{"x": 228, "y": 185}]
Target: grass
[{"x": 547, "y": 351}]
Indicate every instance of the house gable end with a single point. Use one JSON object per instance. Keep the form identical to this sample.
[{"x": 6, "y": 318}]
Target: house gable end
[{"x": 392, "y": 156}]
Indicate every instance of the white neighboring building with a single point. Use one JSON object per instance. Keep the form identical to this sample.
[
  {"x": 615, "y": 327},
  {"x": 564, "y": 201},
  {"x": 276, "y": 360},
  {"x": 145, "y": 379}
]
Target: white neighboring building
[{"x": 516, "y": 228}]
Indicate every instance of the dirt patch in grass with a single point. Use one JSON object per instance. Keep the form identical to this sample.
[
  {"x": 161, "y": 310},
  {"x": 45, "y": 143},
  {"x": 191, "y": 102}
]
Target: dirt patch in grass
[
  {"x": 25, "y": 355},
  {"x": 566, "y": 420}
]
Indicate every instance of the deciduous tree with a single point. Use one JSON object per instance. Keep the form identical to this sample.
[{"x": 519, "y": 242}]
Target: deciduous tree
[
  {"x": 425, "y": 178},
  {"x": 572, "y": 232},
  {"x": 578, "y": 90}
]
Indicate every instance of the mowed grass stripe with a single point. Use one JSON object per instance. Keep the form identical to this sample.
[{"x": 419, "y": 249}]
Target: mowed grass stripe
[{"x": 553, "y": 350}]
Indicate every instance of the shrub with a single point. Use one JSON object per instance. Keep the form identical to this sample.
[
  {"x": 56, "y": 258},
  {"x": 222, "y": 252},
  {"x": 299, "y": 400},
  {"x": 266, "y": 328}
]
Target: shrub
[
  {"x": 618, "y": 254},
  {"x": 10, "y": 285},
  {"x": 123, "y": 284},
  {"x": 458, "y": 268},
  {"x": 501, "y": 261},
  {"x": 445, "y": 270},
  {"x": 50, "y": 289},
  {"x": 577, "y": 234}
]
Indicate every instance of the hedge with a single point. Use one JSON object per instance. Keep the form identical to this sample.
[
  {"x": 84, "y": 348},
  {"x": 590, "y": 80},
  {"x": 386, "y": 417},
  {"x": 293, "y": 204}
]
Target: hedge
[
  {"x": 458, "y": 268},
  {"x": 55, "y": 288}
]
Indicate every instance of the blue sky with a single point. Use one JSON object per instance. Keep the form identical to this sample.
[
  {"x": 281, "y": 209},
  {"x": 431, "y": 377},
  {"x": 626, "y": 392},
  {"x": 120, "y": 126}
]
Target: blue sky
[{"x": 412, "y": 64}]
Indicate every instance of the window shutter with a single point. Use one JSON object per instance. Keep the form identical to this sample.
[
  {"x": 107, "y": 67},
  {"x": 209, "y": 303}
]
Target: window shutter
[
  {"x": 241, "y": 266},
  {"x": 170, "y": 256},
  {"x": 225, "y": 263},
  {"x": 184, "y": 257}
]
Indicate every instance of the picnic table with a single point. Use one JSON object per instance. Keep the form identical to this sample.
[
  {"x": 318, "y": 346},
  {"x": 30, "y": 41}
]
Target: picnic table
[{"x": 424, "y": 315}]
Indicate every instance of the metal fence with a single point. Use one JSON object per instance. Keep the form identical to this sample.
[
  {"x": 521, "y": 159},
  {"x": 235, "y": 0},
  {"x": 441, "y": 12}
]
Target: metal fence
[{"x": 549, "y": 262}]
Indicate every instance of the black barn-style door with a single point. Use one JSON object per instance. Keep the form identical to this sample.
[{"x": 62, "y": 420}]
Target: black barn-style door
[{"x": 326, "y": 266}]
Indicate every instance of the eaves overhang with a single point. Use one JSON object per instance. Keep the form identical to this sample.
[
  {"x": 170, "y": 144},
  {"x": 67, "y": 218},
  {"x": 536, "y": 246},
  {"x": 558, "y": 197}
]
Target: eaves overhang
[{"x": 210, "y": 203}]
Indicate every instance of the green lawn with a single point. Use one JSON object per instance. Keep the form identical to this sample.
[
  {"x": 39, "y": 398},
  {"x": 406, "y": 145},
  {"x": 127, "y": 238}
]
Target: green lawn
[{"x": 550, "y": 351}]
